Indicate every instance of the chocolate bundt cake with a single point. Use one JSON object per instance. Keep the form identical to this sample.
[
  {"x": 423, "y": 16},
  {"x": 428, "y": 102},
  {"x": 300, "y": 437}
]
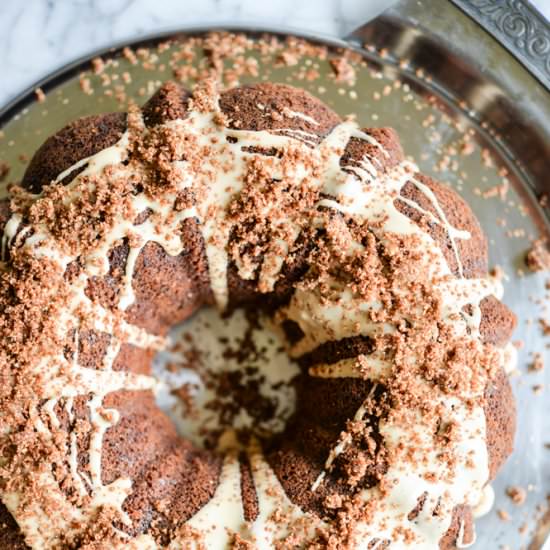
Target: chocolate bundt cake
[{"x": 257, "y": 197}]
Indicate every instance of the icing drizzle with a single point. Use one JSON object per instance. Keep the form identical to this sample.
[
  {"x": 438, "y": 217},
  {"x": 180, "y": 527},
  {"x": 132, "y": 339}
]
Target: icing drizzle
[{"x": 363, "y": 193}]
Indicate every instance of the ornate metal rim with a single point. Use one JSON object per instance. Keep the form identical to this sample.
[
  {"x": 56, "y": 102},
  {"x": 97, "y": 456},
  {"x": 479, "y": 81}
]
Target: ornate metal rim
[{"x": 519, "y": 27}]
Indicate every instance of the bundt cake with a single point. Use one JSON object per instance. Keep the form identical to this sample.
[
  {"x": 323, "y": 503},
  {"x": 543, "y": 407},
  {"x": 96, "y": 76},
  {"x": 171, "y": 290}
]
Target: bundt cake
[{"x": 257, "y": 197}]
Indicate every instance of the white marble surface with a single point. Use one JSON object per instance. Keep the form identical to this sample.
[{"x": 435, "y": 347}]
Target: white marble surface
[{"x": 38, "y": 36}]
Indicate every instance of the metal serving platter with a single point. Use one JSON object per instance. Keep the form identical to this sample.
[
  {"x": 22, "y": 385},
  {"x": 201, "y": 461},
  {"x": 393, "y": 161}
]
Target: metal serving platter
[{"x": 467, "y": 111}]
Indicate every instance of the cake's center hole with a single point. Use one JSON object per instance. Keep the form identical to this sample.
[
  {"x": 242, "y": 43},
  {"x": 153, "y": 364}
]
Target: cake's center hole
[{"x": 223, "y": 381}]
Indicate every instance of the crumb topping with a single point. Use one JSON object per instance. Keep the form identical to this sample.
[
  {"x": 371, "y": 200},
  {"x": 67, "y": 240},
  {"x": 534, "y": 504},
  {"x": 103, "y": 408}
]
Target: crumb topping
[{"x": 295, "y": 216}]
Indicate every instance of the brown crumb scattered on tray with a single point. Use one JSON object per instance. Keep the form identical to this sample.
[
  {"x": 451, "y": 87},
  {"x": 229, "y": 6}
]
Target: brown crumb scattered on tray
[
  {"x": 86, "y": 85},
  {"x": 517, "y": 494},
  {"x": 537, "y": 364},
  {"x": 545, "y": 326},
  {"x": 98, "y": 65},
  {"x": 4, "y": 170},
  {"x": 40, "y": 95},
  {"x": 343, "y": 70},
  {"x": 538, "y": 257}
]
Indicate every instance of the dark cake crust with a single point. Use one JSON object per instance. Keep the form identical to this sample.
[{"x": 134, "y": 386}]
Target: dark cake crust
[
  {"x": 472, "y": 251},
  {"x": 78, "y": 140},
  {"x": 169, "y": 289},
  {"x": 171, "y": 102},
  {"x": 11, "y": 537},
  {"x": 270, "y": 107},
  {"x": 500, "y": 414}
]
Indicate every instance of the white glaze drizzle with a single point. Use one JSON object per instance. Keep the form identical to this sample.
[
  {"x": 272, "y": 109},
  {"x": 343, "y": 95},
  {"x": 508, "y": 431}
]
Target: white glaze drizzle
[
  {"x": 289, "y": 113},
  {"x": 485, "y": 503},
  {"x": 320, "y": 323},
  {"x": 225, "y": 505}
]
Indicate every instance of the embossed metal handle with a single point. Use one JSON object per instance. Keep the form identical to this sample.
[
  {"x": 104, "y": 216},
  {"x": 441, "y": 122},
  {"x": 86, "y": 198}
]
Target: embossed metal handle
[
  {"x": 515, "y": 24},
  {"x": 518, "y": 27}
]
